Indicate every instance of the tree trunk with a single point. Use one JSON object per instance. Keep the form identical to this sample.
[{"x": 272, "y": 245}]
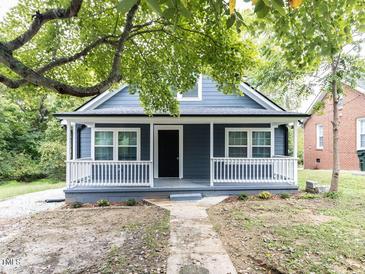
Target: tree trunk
[{"x": 335, "y": 124}]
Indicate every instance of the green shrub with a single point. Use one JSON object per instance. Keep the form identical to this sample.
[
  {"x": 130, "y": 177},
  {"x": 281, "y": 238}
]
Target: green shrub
[
  {"x": 103, "y": 202},
  {"x": 53, "y": 155},
  {"x": 265, "y": 195},
  {"x": 332, "y": 195},
  {"x": 76, "y": 205},
  {"x": 309, "y": 196},
  {"x": 21, "y": 167},
  {"x": 131, "y": 202},
  {"x": 284, "y": 195},
  {"x": 242, "y": 196}
]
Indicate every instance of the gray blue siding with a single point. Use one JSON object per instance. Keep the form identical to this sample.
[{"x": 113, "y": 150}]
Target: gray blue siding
[
  {"x": 281, "y": 140},
  {"x": 84, "y": 147},
  {"x": 196, "y": 151},
  {"x": 212, "y": 97}
]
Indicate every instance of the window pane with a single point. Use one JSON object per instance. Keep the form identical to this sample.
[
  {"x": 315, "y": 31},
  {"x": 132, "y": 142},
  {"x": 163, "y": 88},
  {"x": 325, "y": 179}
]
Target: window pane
[
  {"x": 104, "y": 153},
  {"x": 362, "y": 140},
  {"x": 321, "y": 141},
  {"x": 104, "y": 138},
  {"x": 261, "y": 152},
  {"x": 239, "y": 152},
  {"x": 127, "y": 153},
  {"x": 261, "y": 138},
  {"x": 127, "y": 138},
  {"x": 237, "y": 138}
]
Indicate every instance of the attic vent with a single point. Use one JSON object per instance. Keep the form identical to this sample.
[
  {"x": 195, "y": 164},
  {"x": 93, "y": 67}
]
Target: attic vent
[{"x": 194, "y": 94}]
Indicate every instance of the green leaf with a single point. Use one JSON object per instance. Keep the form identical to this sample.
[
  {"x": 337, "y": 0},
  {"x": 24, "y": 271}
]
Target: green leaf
[
  {"x": 261, "y": 9},
  {"x": 125, "y": 5},
  {"x": 230, "y": 21},
  {"x": 184, "y": 11},
  {"x": 154, "y": 5},
  {"x": 169, "y": 13},
  {"x": 279, "y": 6}
]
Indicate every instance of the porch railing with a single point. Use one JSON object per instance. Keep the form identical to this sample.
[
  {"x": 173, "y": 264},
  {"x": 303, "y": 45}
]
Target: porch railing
[
  {"x": 108, "y": 173},
  {"x": 254, "y": 170}
]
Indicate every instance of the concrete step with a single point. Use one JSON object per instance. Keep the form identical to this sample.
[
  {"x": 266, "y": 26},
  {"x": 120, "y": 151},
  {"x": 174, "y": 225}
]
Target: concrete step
[{"x": 186, "y": 197}]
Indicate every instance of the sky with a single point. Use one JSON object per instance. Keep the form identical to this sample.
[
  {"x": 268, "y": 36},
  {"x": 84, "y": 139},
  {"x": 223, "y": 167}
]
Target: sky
[{"x": 5, "y": 6}]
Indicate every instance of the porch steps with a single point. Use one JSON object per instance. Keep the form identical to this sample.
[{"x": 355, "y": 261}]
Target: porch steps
[{"x": 186, "y": 197}]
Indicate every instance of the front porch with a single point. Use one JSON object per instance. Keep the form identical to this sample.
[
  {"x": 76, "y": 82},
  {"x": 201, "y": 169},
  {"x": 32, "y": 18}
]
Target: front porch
[
  {"x": 224, "y": 172},
  {"x": 211, "y": 156}
]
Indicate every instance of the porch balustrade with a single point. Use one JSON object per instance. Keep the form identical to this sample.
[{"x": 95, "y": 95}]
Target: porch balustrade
[
  {"x": 254, "y": 170},
  {"x": 140, "y": 173},
  {"x": 108, "y": 173}
]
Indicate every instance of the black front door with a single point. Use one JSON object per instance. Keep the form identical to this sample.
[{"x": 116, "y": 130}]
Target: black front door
[{"x": 168, "y": 153}]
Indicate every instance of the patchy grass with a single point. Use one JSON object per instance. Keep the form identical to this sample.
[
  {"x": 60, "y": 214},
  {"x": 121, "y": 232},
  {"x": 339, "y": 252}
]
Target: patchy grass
[
  {"x": 297, "y": 235},
  {"x": 10, "y": 189},
  {"x": 88, "y": 240}
]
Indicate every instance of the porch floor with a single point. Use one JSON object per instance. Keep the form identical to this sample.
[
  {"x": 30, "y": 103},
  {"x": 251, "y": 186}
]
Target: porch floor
[{"x": 163, "y": 187}]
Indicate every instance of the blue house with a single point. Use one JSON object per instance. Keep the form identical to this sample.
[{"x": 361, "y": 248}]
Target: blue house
[{"x": 220, "y": 144}]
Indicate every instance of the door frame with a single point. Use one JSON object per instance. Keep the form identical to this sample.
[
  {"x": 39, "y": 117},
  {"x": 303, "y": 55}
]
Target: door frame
[{"x": 179, "y": 128}]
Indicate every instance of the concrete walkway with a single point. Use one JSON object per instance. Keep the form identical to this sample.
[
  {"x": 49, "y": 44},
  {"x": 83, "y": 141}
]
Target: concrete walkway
[
  {"x": 26, "y": 204},
  {"x": 194, "y": 245}
]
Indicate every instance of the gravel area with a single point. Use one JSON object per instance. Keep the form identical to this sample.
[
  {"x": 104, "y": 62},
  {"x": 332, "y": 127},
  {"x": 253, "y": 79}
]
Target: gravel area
[{"x": 24, "y": 205}]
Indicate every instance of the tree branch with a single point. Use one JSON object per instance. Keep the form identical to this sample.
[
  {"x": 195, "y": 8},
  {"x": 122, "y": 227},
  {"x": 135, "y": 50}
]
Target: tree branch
[
  {"x": 35, "y": 77},
  {"x": 40, "y": 19}
]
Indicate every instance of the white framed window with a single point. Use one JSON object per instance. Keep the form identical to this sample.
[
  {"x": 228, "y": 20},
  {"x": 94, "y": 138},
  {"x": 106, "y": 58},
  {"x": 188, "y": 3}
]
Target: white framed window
[
  {"x": 119, "y": 144},
  {"x": 195, "y": 94},
  {"x": 127, "y": 145},
  {"x": 261, "y": 144},
  {"x": 319, "y": 136},
  {"x": 104, "y": 143},
  {"x": 236, "y": 143},
  {"x": 247, "y": 143},
  {"x": 360, "y": 133}
]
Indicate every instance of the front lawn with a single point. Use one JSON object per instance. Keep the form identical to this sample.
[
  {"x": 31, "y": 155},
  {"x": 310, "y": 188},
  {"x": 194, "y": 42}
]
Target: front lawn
[
  {"x": 302, "y": 234},
  {"x": 13, "y": 188},
  {"x": 111, "y": 239}
]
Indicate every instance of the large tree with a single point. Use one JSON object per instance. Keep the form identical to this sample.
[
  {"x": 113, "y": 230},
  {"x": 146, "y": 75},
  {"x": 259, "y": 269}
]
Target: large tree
[
  {"x": 320, "y": 40},
  {"x": 82, "y": 48}
]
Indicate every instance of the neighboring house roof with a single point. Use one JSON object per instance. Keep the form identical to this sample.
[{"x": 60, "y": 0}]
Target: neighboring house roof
[
  {"x": 320, "y": 96},
  {"x": 213, "y": 103}
]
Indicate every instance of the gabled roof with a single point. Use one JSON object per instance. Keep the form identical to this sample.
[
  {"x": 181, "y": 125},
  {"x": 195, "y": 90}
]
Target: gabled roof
[
  {"x": 257, "y": 104},
  {"x": 320, "y": 96}
]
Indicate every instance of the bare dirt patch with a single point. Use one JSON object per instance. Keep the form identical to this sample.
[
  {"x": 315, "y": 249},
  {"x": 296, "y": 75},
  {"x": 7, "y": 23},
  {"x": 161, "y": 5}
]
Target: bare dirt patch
[
  {"x": 98, "y": 240},
  {"x": 286, "y": 236}
]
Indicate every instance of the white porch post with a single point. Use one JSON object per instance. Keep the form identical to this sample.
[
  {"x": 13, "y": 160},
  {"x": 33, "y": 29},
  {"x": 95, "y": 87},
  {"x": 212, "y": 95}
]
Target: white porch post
[
  {"x": 68, "y": 152},
  {"x": 151, "y": 155},
  {"x": 295, "y": 151},
  {"x": 211, "y": 153},
  {"x": 74, "y": 137}
]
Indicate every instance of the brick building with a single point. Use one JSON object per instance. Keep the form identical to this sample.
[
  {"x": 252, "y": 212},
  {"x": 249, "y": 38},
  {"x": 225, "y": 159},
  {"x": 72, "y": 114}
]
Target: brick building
[{"x": 318, "y": 131}]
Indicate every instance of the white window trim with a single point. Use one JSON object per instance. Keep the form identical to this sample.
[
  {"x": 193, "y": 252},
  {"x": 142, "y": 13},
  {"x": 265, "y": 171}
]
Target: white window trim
[
  {"x": 358, "y": 133},
  {"x": 227, "y": 145},
  {"x": 249, "y": 140},
  {"x": 115, "y": 142},
  {"x": 180, "y": 97},
  {"x": 318, "y": 146}
]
